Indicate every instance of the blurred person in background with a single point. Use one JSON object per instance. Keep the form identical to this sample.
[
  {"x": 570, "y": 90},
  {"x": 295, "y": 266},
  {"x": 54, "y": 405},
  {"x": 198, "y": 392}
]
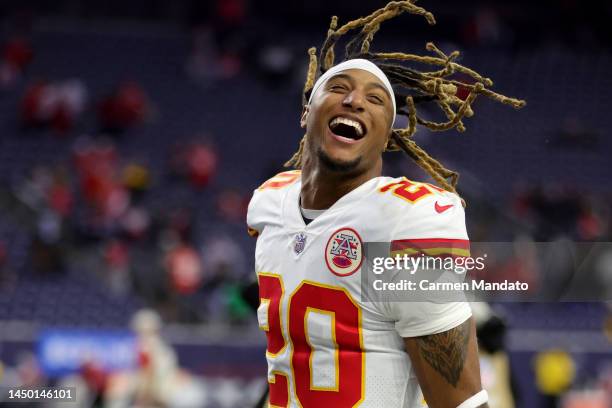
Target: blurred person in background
[
  {"x": 117, "y": 267},
  {"x": 232, "y": 205},
  {"x": 494, "y": 362},
  {"x": 184, "y": 268},
  {"x": 16, "y": 56},
  {"x": 197, "y": 162},
  {"x": 97, "y": 163},
  {"x": 54, "y": 105},
  {"x": 127, "y": 106},
  {"x": 158, "y": 380},
  {"x": 157, "y": 363},
  {"x": 7, "y": 276},
  {"x": 555, "y": 371},
  {"x": 224, "y": 262},
  {"x": 26, "y": 373}
]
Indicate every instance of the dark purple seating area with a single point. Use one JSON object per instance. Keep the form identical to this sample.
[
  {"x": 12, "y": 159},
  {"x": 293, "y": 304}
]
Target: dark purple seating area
[{"x": 65, "y": 302}]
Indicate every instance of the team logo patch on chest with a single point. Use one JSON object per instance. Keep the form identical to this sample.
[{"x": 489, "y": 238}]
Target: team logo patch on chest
[
  {"x": 344, "y": 252},
  {"x": 299, "y": 243}
]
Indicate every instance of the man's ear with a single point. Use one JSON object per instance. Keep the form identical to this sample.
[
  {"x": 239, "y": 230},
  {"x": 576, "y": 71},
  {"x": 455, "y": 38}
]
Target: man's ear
[
  {"x": 389, "y": 138},
  {"x": 304, "y": 116}
]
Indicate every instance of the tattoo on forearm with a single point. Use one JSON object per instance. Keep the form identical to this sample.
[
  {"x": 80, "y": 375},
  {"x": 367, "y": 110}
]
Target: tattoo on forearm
[{"x": 445, "y": 352}]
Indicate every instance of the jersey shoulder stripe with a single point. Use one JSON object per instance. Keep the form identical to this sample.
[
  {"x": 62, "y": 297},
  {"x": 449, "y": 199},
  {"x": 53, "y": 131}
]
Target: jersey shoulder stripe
[
  {"x": 410, "y": 191},
  {"x": 435, "y": 247},
  {"x": 281, "y": 180}
]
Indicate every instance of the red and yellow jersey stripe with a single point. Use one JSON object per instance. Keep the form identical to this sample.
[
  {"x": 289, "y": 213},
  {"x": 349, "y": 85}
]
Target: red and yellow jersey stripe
[
  {"x": 435, "y": 247},
  {"x": 281, "y": 180}
]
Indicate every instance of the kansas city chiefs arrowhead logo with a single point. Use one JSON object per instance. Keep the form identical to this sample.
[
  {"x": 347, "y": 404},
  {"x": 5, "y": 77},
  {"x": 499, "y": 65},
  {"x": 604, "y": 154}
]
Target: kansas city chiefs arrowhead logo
[{"x": 343, "y": 252}]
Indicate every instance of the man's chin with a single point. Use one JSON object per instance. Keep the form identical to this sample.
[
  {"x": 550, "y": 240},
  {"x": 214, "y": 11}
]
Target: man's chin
[{"x": 337, "y": 165}]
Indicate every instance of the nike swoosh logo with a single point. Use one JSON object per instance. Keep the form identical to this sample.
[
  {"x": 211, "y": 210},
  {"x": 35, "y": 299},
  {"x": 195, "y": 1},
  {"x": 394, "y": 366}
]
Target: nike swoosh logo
[{"x": 441, "y": 208}]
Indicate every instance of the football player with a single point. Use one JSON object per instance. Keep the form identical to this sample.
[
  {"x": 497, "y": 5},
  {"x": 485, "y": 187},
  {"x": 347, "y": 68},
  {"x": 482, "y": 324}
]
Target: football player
[{"x": 326, "y": 347}]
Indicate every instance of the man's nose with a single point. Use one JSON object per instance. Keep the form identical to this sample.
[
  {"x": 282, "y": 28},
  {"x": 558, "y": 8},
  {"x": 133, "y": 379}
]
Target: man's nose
[{"x": 354, "y": 100}]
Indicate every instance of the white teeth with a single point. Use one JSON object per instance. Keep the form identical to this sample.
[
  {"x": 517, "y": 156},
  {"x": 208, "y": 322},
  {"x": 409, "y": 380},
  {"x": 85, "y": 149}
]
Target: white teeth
[{"x": 348, "y": 122}]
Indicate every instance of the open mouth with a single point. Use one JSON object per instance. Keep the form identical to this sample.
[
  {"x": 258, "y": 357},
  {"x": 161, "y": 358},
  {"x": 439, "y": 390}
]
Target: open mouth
[{"x": 347, "y": 128}]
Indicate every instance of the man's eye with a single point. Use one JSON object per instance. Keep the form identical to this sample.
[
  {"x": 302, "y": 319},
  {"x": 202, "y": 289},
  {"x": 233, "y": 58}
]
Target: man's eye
[
  {"x": 376, "y": 99},
  {"x": 337, "y": 88}
]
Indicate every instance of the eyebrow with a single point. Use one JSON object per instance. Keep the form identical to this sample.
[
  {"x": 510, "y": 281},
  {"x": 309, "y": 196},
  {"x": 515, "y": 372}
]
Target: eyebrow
[{"x": 368, "y": 85}]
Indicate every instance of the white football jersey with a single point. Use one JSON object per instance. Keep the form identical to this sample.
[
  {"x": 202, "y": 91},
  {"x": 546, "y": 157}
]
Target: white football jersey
[{"x": 326, "y": 348}]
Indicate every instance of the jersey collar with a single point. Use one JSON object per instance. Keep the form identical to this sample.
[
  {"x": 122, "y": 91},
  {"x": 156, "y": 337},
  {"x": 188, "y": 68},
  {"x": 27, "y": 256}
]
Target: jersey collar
[{"x": 292, "y": 216}]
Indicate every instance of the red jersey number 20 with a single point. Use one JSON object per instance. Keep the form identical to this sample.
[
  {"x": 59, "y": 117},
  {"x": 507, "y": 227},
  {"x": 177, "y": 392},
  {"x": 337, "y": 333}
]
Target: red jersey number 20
[{"x": 349, "y": 360}]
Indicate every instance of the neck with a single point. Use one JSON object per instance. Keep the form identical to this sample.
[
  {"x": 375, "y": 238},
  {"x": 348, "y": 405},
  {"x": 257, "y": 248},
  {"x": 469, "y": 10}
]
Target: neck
[{"x": 321, "y": 187}]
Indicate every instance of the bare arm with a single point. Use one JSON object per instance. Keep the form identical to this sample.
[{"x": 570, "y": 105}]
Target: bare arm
[{"x": 446, "y": 365}]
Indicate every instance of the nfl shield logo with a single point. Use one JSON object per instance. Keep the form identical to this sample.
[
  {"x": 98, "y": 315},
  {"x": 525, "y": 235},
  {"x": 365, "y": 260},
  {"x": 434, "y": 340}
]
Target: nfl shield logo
[{"x": 299, "y": 243}]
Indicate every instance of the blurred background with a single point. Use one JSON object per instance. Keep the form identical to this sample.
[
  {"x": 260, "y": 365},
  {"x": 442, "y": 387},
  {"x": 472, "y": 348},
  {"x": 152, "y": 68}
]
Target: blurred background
[{"x": 132, "y": 134}]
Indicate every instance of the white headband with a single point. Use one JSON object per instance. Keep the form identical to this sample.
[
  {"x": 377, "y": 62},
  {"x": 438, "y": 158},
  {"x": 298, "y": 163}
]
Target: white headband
[{"x": 357, "y": 63}]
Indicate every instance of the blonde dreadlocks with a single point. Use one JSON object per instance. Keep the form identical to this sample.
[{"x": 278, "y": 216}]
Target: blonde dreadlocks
[{"x": 429, "y": 86}]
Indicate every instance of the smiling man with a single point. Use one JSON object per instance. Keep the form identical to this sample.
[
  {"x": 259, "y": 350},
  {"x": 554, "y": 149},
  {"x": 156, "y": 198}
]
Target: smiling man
[{"x": 326, "y": 347}]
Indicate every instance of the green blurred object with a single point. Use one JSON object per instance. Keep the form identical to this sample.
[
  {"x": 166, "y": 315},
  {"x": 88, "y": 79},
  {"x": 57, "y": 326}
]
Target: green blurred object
[{"x": 238, "y": 308}]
